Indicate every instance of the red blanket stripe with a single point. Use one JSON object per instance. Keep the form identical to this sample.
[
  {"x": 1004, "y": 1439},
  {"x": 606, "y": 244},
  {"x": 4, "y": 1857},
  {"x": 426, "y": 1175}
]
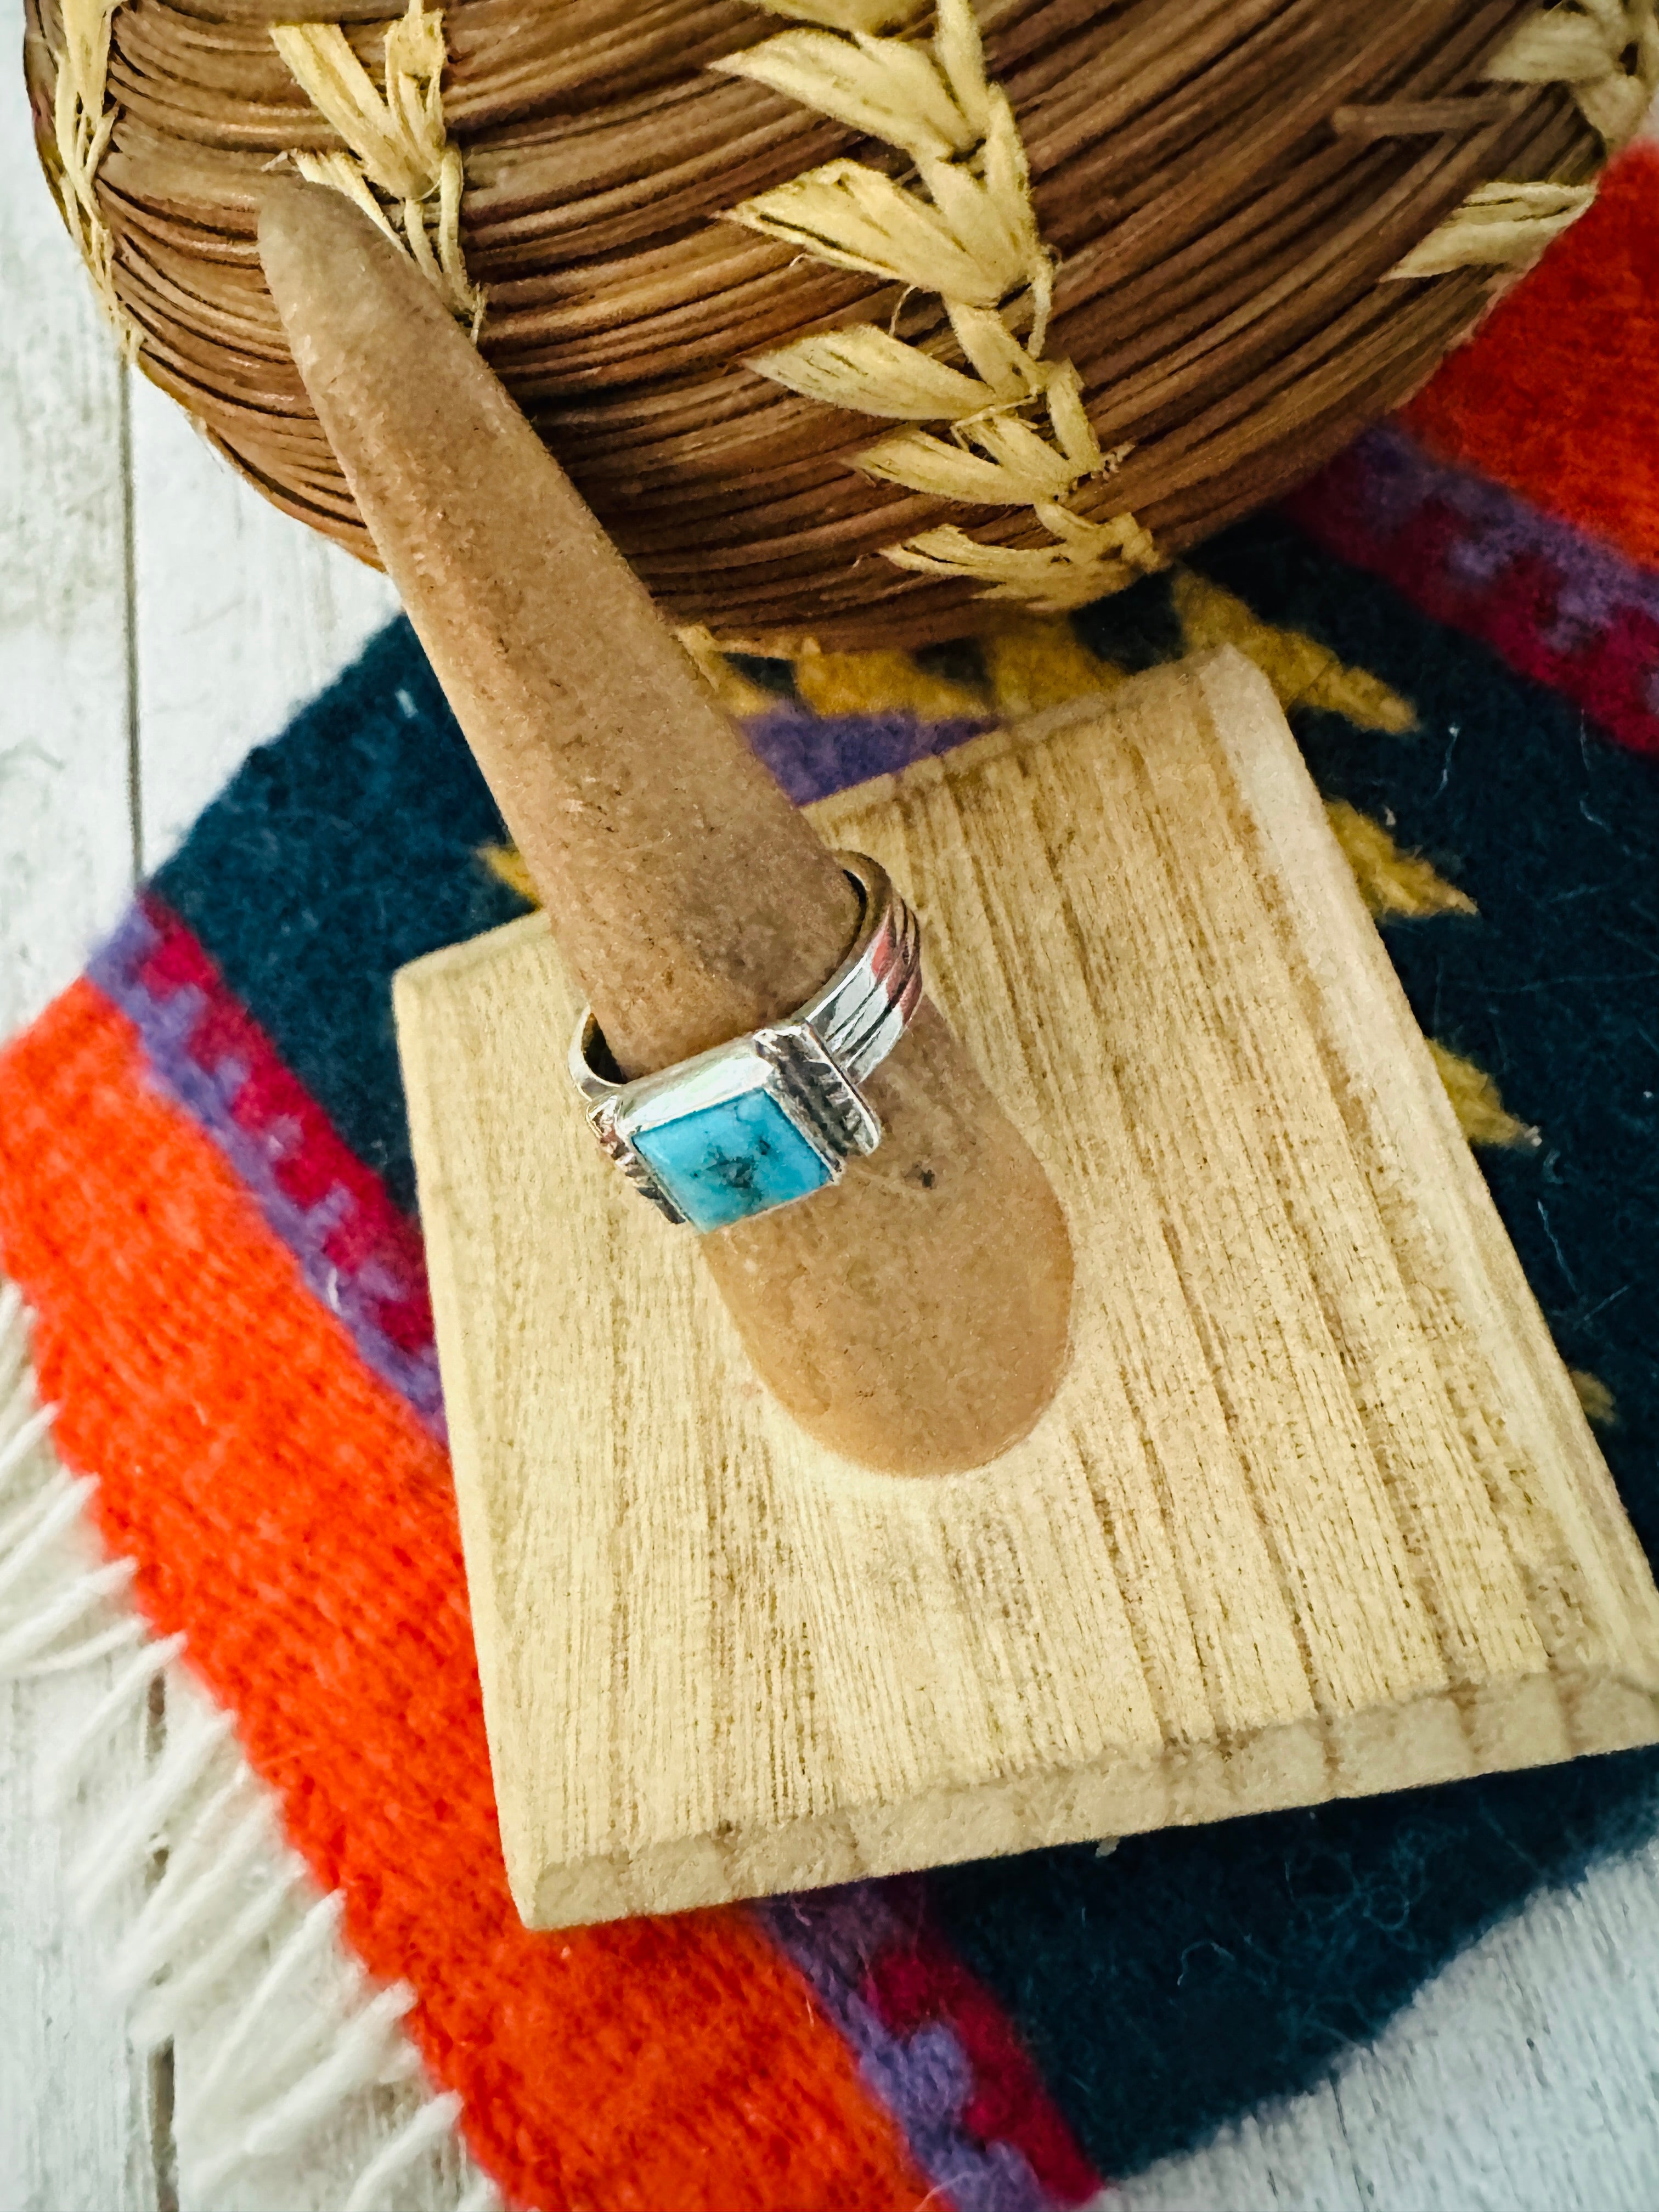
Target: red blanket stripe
[
  {"x": 915, "y": 1981},
  {"x": 1557, "y": 395}
]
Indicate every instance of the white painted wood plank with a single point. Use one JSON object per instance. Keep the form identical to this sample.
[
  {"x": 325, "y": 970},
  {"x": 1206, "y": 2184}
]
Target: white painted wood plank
[
  {"x": 76, "y": 2130},
  {"x": 241, "y": 615},
  {"x": 66, "y": 845},
  {"x": 76, "y": 2123}
]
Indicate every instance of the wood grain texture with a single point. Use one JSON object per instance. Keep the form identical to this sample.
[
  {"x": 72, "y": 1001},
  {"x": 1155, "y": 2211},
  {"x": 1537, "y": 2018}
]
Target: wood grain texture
[
  {"x": 65, "y": 842},
  {"x": 78, "y": 2128},
  {"x": 240, "y": 619},
  {"x": 1315, "y": 1512}
]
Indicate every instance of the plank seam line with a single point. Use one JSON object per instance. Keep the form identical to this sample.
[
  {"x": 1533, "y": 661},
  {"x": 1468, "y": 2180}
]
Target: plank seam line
[{"x": 235, "y": 1943}]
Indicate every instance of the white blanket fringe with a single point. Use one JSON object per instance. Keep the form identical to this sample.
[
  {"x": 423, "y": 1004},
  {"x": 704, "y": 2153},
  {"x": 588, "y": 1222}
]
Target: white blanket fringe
[{"x": 232, "y": 1950}]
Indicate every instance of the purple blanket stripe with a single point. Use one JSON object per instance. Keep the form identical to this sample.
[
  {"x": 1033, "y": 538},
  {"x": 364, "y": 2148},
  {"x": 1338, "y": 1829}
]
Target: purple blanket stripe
[
  {"x": 1555, "y": 604},
  {"x": 812, "y": 754},
  {"x": 833, "y": 1935},
  {"x": 167, "y": 1026}
]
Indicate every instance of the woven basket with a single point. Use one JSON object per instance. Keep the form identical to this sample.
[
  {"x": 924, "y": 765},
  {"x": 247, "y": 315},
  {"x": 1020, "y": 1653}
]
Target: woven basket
[{"x": 1227, "y": 190}]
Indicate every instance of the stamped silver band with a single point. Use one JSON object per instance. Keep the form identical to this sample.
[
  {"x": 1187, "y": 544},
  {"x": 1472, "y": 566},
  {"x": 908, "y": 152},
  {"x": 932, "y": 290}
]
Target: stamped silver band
[{"x": 772, "y": 1117}]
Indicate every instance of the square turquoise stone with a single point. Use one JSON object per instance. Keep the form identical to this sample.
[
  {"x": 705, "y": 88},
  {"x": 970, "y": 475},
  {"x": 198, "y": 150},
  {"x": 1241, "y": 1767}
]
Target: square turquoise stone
[{"x": 720, "y": 1163}]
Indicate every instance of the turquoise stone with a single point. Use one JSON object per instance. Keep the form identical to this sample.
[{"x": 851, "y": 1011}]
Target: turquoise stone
[{"x": 722, "y": 1163}]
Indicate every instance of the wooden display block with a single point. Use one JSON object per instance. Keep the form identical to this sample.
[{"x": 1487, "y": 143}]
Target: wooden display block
[{"x": 1315, "y": 1512}]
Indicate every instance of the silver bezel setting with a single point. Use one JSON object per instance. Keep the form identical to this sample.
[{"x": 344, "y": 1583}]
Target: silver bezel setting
[
  {"x": 811, "y": 1066},
  {"x": 795, "y": 1072}
]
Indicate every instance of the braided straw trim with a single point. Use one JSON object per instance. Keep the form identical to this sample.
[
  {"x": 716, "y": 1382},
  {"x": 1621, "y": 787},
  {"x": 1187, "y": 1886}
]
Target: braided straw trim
[
  {"x": 870, "y": 15},
  {"x": 82, "y": 120},
  {"x": 396, "y": 143},
  {"x": 965, "y": 229},
  {"x": 1498, "y": 227},
  {"x": 1606, "y": 53}
]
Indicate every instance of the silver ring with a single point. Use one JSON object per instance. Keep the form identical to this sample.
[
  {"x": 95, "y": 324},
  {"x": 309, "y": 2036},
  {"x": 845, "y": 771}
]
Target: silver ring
[{"x": 774, "y": 1116}]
